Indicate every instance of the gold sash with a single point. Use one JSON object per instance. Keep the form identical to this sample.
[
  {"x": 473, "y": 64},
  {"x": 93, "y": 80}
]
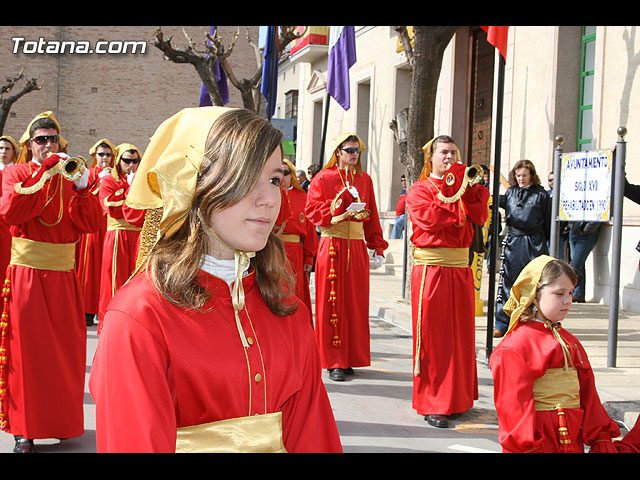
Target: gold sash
[
  {"x": 558, "y": 386},
  {"x": 289, "y": 237},
  {"x": 120, "y": 224},
  {"x": 441, "y": 256},
  {"x": 251, "y": 434},
  {"x": 349, "y": 230},
  {"x": 43, "y": 255}
]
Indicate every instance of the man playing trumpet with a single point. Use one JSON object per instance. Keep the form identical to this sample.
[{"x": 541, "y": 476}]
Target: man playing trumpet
[
  {"x": 43, "y": 335},
  {"x": 443, "y": 204}
]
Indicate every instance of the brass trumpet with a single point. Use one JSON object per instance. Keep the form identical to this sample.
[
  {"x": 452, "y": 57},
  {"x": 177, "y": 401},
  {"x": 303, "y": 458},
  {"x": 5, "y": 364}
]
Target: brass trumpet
[
  {"x": 72, "y": 168},
  {"x": 474, "y": 174}
]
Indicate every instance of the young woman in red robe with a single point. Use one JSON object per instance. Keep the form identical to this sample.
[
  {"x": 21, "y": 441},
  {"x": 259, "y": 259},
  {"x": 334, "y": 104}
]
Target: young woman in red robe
[
  {"x": 43, "y": 341},
  {"x": 205, "y": 349},
  {"x": 120, "y": 245},
  {"x": 342, "y": 202},
  {"x": 443, "y": 207},
  {"x": 297, "y": 234},
  {"x": 544, "y": 388},
  {"x": 89, "y": 252}
]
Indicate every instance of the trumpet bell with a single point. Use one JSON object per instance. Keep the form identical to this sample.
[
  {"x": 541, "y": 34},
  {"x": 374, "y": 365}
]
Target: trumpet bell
[
  {"x": 474, "y": 174},
  {"x": 73, "y": 167}
]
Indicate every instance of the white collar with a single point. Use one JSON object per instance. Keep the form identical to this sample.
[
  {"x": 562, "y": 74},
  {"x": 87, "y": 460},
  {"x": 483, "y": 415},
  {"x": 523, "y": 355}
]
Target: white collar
[{"x": 224, "y": 269}]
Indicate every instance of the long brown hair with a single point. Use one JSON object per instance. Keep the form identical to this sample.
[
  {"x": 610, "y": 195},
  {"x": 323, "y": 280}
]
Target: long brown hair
[
  {"x": 237, "y": 148},
  {"x": 528, "y": 164}
]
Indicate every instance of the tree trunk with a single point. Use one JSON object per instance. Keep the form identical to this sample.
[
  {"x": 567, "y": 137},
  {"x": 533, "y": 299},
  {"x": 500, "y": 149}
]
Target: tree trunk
[{"x": 430, "y": 43}]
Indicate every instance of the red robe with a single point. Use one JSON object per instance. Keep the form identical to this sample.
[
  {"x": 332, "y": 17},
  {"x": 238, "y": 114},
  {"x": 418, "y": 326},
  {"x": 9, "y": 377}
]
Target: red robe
[
  {"x": 448, "y": 381},
  {"x": 89, "y": 254},
  {"x": 158, "y": 367},
  {"x": 47, "y": 352},
  {"x": 299, "y": 253},
  {"x": 352, "y": 270},
  {"x": 5, "y": 241},
  {"x": 631, "y": 441},
  {"x": 120, "y": 246},
  {"x": 524, "y": 355}
]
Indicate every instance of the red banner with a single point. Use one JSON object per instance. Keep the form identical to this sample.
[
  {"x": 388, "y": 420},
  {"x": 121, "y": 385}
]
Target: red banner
[{"x": 497, "y": 36}]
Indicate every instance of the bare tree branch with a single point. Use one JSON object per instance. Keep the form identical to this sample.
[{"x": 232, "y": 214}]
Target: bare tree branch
[{"x": 7, "y": 102}]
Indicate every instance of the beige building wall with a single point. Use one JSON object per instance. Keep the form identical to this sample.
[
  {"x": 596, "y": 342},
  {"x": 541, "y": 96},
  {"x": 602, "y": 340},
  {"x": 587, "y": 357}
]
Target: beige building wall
[
  {"x": 540, "y": 103},
  {"x": 373, "y": 106}
]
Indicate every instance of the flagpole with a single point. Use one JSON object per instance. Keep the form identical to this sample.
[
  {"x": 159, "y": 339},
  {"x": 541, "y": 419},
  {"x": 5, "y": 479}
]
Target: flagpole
[
  {"x": 324, "y": 130},
  {"x": 495, "y": 205}
]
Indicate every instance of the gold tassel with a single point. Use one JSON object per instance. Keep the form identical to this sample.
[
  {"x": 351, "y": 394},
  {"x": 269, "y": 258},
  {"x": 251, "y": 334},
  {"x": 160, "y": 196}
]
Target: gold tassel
[
  {"x": 563, "y": 431},
  {"x": 4, "y": 351},
  {"x": 332, "y": 293}
]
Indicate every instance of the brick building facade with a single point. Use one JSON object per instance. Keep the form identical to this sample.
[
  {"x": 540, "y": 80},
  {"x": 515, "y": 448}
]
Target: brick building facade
[{"x": 120, "y": 96}]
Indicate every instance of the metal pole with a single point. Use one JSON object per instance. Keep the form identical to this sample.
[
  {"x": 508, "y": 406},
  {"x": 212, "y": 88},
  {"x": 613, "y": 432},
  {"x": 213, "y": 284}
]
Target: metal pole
[
  {"x": 495, "y": 206},
  {"x": 324, "y": 130},
  {"x": 555, "y": 197},
  {"x": 614, "y": 287}
]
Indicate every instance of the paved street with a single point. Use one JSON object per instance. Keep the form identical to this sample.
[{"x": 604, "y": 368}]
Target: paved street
[{"x": 373, "y": 407}]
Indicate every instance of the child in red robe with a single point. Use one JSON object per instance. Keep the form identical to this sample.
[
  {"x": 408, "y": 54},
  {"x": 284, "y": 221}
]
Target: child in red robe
[{"x": 544, "y": 388}]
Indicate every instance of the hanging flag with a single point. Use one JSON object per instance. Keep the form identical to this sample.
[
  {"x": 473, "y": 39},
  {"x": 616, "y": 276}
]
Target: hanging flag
[
  {"x": 342, "y": 56},
  {"x": 221, "y": 80},
  {"x": 497, "y": 36},
  {"x": 269, "y": 86}
]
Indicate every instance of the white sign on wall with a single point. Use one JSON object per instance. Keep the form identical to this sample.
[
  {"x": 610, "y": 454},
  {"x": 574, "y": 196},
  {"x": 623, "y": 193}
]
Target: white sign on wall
[{"x": 585, "y": 186}]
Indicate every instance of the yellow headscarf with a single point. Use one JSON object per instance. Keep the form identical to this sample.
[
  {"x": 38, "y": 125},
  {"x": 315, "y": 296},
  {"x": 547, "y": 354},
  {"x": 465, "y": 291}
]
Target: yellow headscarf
[
  {"x": 12, "y": 141},
  {"x": 426, "y": 149},
  {"x": 118, "y": 152},
  {"x": 92, "y": 150},
  {"x": 166, "y": 177},
  {"x": 337, "y": 141},
  {"x": 523, "y": 294},
  {"x": 25, "y": 154},
  {"x": 524, "y": 290}
]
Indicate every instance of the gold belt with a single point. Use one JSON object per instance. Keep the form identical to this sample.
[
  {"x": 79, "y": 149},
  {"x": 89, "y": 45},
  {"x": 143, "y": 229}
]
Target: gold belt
[
  {"x": 120, "y": 224},
  {"x": 557, "y": 387},
  {"x": 43, "y": 255},
  {"x": 251, "y": 434},
  {"x": 350, "y": 230},
  {"x": 289, "y": 237},
  {"x": 441, "y": 256}
]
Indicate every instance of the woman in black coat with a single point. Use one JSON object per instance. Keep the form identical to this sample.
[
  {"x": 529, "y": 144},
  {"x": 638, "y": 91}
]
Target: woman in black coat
[{"x": 527, "y": 209}]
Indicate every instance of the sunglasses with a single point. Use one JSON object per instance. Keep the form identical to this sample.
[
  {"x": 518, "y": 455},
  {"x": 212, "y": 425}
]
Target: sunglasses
[
  {"x": 130, "y": 160},
  {"x": 43, "y": 139},
  {"x": 104, "y": 154},
  {"x": 351, "y": 150},
  {"x": 286, "y": 172}
]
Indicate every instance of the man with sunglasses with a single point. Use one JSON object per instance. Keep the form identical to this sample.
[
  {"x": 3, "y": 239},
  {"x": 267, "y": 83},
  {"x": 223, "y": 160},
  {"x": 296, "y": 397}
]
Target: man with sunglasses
[
  {"x": 341, "y": 201},
  {"x": 43, "y": 379},
  {"x": 120, "y": 247}
]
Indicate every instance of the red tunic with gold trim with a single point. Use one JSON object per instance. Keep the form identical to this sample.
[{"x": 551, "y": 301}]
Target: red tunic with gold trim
[
  {"x": 47, "y": 351},
  {"x": 447, "y": 381},
  {"x": 300, "y": 251},
  {"x": 520, "y": 358},
  {"x": 343, "y": 262},
  {"x": 158, "y": 368},
  {"x": 89, "y": 253},
  {"x": 120, "y": 246}
]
